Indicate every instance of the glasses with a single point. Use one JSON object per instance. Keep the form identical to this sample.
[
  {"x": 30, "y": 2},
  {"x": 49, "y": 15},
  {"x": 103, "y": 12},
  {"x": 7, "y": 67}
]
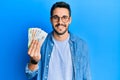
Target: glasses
[{"x": 57, "y": 18}]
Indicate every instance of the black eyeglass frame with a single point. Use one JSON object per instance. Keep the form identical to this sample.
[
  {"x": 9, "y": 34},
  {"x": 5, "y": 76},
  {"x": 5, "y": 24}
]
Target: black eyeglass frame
[{"x": 64, "y": 18}]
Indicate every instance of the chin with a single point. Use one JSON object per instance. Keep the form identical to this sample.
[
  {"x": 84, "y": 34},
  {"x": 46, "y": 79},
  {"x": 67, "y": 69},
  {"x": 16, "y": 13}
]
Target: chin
[{"x": 60, "y": 33}]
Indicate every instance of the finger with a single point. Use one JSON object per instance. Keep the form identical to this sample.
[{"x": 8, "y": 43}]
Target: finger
[
  {"x": 36, "y": 55},
  {"x": 33, "y": 49},
  {"x": 31, "y": 46},
  {"x": 31, "y": 52},
  {"x": 37, "y": 48}
]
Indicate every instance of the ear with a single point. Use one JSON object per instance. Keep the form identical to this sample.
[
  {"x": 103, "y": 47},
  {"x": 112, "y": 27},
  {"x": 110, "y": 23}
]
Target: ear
[
  {"x": 70, "y": 20},
  {"x": 50, "y": 19}
]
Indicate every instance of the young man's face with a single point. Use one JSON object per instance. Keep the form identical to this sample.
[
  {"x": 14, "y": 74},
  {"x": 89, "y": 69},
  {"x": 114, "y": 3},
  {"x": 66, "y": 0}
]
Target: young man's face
[{"x": 60, "y": 20}]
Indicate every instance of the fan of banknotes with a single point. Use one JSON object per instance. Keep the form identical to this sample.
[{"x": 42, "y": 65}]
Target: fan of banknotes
[{"x": 36, "y": 34}]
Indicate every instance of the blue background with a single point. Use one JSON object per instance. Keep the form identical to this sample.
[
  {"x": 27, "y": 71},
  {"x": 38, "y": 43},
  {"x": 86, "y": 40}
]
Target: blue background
[{"x": 96, "y": 21}]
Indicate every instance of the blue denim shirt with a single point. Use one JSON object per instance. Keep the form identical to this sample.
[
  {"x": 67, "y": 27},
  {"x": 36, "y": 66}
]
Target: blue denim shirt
[{"x": 80, "y": 61}]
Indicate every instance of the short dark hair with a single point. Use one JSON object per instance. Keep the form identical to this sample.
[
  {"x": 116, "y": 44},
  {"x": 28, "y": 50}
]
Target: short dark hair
[{"x": 60, "y": 5}]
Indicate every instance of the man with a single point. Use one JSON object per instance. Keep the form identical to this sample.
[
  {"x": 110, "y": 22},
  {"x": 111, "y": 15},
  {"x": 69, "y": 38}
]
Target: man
[{"x": 63, "y": 56}]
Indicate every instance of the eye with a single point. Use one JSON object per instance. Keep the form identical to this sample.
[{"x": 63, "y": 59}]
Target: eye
[
  {"x": 55, "y": 17},
  {"x": 65, "y": 17}
]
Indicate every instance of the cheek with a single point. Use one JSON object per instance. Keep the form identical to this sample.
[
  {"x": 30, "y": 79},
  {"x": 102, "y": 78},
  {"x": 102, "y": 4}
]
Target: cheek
[
  {"x": 67, "y": 24},
  {"x": 54, "y": 24}
]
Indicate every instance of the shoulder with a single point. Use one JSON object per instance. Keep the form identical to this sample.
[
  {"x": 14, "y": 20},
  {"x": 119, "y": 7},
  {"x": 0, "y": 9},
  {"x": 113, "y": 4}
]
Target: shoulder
[
  {"x": 79, "y": 42},
  {"x": 49, "y": 36},
  {"x": 76, "y": 39}
]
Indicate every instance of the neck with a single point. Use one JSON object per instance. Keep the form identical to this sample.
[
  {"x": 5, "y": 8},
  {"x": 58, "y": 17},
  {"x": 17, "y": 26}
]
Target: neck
[{"x": 61, "y": 37}]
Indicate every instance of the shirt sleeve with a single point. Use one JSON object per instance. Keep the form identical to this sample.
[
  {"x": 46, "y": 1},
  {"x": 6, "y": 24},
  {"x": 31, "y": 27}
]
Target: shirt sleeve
[{"x": 29, "y": 73}]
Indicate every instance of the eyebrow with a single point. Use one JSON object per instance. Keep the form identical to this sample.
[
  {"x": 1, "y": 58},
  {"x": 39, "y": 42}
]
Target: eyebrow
[{"x": 59, "y": 16}]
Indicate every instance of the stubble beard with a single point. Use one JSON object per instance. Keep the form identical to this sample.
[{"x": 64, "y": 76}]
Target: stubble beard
[{"x": 60, "y": 33}]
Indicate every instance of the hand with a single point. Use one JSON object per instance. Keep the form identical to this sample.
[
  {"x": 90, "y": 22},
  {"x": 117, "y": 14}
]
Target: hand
[{"x": 34, "y": 50}]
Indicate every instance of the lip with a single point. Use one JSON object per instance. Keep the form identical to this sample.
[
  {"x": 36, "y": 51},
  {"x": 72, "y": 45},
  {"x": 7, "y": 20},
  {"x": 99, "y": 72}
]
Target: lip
[
  {"x": 57, "y": 25},
  {"x": 60, "y": 27}
]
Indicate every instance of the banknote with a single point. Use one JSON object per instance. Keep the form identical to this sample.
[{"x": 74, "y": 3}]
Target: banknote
[{"x": 36, "y": 34}]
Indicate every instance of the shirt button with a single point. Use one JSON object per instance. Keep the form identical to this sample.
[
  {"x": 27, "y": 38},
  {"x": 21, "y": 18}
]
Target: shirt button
[
  {"x": 49, "y": 55},
  {"x": 45, "y": 77},
  {"x": 47, "y": 66},
  {"x": 51, "y": 44}
]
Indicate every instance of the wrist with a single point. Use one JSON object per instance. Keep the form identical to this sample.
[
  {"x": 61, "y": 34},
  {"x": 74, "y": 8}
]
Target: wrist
[
  {"x": 32, "y": 61},
  {"x": 33, "y": 67}
]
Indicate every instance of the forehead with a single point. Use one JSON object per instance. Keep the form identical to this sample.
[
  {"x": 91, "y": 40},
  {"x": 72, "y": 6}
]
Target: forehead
[{"x": 60, "y": 11}]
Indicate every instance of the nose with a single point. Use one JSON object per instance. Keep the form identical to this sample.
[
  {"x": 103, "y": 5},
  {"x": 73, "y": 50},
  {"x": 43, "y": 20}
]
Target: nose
[{"x": 60, "y": 20}]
